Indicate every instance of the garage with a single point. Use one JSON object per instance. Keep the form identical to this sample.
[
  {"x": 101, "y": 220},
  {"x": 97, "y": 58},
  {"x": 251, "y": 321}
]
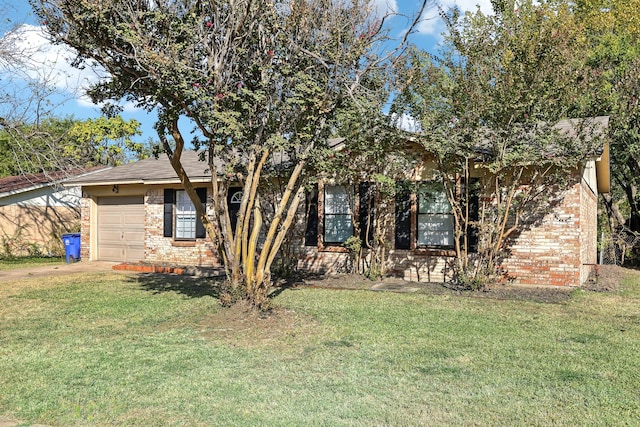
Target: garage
[{"x": 120, "y": 234}]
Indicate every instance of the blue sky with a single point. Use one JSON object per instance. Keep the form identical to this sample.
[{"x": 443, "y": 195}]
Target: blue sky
[{"x": 51, "y": 62}]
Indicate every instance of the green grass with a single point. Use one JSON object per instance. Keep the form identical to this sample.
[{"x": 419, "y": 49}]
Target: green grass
[
  {"x": 22, "y": 262},
  {"x": 107, "y": 349}
]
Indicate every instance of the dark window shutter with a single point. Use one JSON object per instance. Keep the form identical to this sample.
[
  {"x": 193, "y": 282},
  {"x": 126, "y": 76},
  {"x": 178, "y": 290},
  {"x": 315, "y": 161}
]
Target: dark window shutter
[
  {"x": 366, "y": 212},
  {"x": 200, "y": 231},
  {"x": 169, "y": 200},
  {"x": 403, "y": 217},
  {"x": 311, "y": 233},
  {"x": 474, "y": 215}
]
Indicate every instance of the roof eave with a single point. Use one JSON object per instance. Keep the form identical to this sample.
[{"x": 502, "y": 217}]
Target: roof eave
[{"x": 171, "y": 181}]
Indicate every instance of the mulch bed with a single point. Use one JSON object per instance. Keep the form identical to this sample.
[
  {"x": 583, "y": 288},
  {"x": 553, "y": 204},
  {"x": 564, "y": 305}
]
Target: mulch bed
[{"x": 608, "y": 279}]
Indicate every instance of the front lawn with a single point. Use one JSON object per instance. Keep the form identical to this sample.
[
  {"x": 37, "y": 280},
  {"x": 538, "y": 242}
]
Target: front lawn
[
  {"x": 112, "y": 349},
  {"x": 22, "y": 262}
]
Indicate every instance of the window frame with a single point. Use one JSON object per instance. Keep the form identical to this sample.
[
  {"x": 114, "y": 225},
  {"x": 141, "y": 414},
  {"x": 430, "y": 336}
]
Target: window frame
[
  {"x": 346, "y": 214},
  {"x": 169, "y": 215},
  {"x": 190, "y": 213},
  {"x": 441, "y": 217}
]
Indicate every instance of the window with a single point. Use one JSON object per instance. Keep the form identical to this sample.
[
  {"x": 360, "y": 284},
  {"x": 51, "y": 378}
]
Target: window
[
  {"x": 424, "y": 218},
  {"x": 185, "y": 217},
  {"x": 435, "y": 220},
  {"x": 338, "y": 223},
  {"x": 180, "y": 220},
  {"x": 234, "y": 199},
  {"x": 334, "y": 220}
]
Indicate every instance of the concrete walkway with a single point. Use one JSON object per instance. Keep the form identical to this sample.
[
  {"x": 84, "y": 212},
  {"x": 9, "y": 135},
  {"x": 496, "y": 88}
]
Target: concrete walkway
[{"x": 55, "y": 270}]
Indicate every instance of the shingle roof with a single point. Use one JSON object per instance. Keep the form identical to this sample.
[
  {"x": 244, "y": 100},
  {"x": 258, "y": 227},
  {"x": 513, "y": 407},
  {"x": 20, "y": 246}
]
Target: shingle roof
[
  {"x": 148, "y": 171},
  {"x": 592, "y": 129},
  {"x": 160, "y": 171},
  {"x": 572, "y": 127},
  {"x": 19, "y": 183}
]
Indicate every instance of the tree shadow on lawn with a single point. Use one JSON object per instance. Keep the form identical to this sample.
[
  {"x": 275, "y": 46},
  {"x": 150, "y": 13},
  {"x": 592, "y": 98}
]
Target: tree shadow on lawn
[
  {"x": 197, "y": 287},
  {"x": 190, "y": 286}
]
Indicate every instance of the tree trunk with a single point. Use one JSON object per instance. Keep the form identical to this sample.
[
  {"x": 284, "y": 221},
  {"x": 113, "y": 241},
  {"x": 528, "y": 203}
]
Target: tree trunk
[{"x": 613, "y": 211}]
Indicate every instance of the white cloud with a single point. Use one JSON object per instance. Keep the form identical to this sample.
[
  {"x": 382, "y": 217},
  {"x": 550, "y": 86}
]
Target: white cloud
[
  {"x": 407, "y": 123},
  {"x": 383, "y": 7},
  {"x": 50, "y": 65},
  {"x": 433, "y": 25},
  {"x": 127, "y": 107}
]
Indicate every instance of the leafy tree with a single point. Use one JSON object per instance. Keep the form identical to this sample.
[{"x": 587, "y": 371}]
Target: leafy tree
[
  {"x": 28, "y": 125},
  {"x": 34, "y": 148},
  {"x": 261, "y": 81},
  {"x": 374, "y": 160},
  {"x": 33, "y": 138},
  {"x": 609, "y": 18},
  {"x": 489, "y": 102},
  {"x": 55, "y": 145},
  {"x": 613, "y": 32},
  {"x": 105, "y": 141}
]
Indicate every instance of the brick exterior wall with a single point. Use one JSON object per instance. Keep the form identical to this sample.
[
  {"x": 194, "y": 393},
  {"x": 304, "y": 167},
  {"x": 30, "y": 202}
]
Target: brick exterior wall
[
  {"x": 310, "y": 259},
  {"x": 589, "y": 232},
  {"x": 407, "y": 265},
  {"x": 165, "y": 250},
  {"x": 158, "y": 249},
  {"x": 559, "y": 250},
  {"x": 421, "y": 267},
  {"x": 549, "y": 253},
  {"x": 85, "y": 227}
]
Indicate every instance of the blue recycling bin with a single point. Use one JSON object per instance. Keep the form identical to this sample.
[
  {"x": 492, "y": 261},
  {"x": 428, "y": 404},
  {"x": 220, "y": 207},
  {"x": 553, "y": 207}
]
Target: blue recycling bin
[{"x": 71, "y": 246}]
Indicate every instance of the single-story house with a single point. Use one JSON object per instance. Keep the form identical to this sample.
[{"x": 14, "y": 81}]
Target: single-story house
[
  {"x": 139, "y": 213},
  {"x": 36, "y": 209}
]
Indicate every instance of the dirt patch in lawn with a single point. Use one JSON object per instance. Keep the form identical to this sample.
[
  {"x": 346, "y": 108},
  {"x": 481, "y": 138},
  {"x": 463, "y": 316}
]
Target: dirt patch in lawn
[
  {"x": 241, "y": 326},
  {"x": 608, "y": 278}
]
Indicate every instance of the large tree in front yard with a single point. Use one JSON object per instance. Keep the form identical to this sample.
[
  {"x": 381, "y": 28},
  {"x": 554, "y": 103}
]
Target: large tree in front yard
[
  {"x": 488, "y": 106},
  {"x": 612, "y": 29},
  {"x": 260, "y": 81}
]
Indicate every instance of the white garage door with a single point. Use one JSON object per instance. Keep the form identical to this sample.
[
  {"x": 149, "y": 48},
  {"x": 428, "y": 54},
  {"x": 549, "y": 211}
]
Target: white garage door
[{"x": 121, "y": 228}]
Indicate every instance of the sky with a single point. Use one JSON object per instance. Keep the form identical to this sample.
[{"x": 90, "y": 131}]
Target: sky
[{"x": 49, "y": 62}]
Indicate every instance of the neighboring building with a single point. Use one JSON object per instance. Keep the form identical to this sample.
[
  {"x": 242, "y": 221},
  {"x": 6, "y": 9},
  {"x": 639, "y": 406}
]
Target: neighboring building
[
  {"x": 35, "y": 210},
  {"x": 138, "y": 212}
]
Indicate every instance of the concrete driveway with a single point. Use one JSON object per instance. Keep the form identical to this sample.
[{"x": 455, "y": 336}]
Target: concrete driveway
[{"x": 55, "y": 270}]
